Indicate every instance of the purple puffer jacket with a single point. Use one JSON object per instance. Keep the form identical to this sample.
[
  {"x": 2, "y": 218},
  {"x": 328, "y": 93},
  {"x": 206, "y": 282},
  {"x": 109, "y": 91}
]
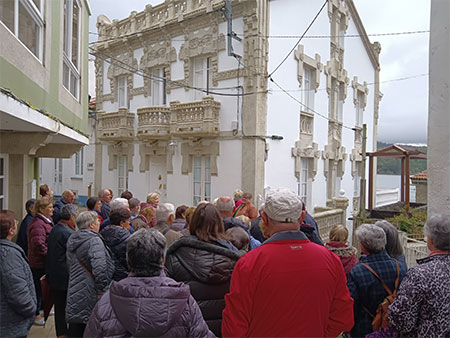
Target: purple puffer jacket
[
  {"x": 37, "y": 234},
  {"x": 147, "y": 307}
]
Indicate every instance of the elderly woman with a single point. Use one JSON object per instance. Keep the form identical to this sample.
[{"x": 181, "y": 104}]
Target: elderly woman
[
  {"x": 205, "y": 261},
  {"x": 116, "y": 237},
  {"x": 165, "y": 307},
  {"x": 422, "y": 306},
  {"x": 146, "y": 215},
  {"x": 17, "y": 294},
  {"x": 37, "y": 234},
  {"x": 95, "y": 204},
  {"x": 338, "y": 245},
  {"x": 393, "y": 245},
  {"x": 91, "y": 268},
  {"x": 365, "y": 289}
]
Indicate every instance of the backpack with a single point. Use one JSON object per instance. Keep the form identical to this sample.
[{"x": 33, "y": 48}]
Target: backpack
[{"x": 380, "y": 319}]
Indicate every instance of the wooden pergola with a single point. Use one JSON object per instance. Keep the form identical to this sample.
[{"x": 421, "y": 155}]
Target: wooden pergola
[{"x": 402, "y": 152}]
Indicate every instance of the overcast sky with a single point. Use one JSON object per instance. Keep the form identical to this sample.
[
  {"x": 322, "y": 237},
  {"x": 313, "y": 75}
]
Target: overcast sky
[{"x": 404, "y": 107}]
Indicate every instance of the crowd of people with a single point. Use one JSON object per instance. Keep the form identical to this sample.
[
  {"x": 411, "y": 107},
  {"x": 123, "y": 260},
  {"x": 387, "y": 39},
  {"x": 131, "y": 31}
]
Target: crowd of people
[{"x": 223, "y": 268}]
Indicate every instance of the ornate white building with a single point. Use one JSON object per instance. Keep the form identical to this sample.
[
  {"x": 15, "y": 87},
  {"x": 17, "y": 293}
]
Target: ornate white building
[{"x": 177, "y": 114}]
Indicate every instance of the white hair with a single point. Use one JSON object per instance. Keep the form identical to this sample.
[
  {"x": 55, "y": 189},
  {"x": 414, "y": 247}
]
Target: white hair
[
  {"x": 438, "y": 229},
  {"x": 118, "y": 203},
  {"x": 163, "y": 211},
  {"x": 372, "y": 237}
]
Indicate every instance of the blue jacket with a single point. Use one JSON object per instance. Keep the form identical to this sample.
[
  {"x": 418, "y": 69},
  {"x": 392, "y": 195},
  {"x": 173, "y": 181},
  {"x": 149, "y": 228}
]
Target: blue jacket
[
  {"x": 57, "y": 210},
  {"x": 17, "y": 294},
  {"x": 22, "y": 239},
  {"x": 367, "y": 291}
]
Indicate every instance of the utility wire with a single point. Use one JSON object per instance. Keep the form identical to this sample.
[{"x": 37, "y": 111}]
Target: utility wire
[
  {"x": 304, "y": 105},
  {"x": 133, "y": 70},
  {"x": 304, "y": 33},
  {"x": 334, "y": 36}
]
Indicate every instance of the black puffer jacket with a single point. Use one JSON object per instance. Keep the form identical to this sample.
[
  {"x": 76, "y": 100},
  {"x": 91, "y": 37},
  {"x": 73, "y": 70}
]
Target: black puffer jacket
[
  {"x": 88, "y": 248},
  {"x": 55, "y": 262},
  {"x": 116, "y": 238},
  {"x": 207, "y": 269},
  {"x": 17, "y": 294}
]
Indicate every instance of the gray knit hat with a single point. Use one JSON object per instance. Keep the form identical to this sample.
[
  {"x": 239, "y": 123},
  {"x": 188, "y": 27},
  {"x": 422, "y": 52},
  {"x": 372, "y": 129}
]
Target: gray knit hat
[{"x": 283, "y": 205}]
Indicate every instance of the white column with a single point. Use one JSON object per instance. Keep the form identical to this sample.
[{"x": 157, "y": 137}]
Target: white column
[{"x": 439, "y": 109}]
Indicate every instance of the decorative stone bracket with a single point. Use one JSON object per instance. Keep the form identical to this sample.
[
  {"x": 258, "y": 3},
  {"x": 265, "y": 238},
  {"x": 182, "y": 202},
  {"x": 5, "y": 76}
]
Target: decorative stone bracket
[
  {"x": 156, "y": 148},
  {"x": 334, "y": 69},
  {"x": 200, "y": 148},
  {"x": 303, "y": 60},
  {"x": 334, "y": 154},
  {"x": 362, "y": 88},
  {"x": 120, "y": 149},
  {"x": 310, "y": 152},
  {"x": 355, "y": 158}
]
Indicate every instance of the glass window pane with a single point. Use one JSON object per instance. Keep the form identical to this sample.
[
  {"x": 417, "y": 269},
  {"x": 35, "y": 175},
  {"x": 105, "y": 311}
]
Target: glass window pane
[
  {"x": 7, "y": 13},
  {"x": 1, "y": 186},
  {"x": 2, "y": 163},
  {"x": 73, "y": 85},
  {"x": 197, "y": 161},
  {"x": 28, "y": 30},
  {"x": 197, "y": 189},
  {"x": 66, "y": 75},
  {"x": 75, "y": 32},
  {"x": 207, "y": 191},
  {"x": 197, "y": 174}
]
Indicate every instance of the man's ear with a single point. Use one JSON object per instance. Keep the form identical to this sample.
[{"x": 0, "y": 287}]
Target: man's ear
[
  {"x": 264, "y": 217},
  {"x": 302, "y": 216}
]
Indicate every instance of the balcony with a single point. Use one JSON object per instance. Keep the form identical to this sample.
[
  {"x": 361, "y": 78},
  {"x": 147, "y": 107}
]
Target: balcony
[
  {"x": 199, "y": 118},
  {"x": 116, "y": 126},
  {"x": 191, "y": 119},
  {"x": 153, "y": 123}
]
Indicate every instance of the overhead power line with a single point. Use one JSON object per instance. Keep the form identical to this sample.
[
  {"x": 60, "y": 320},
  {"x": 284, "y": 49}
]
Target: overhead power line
[{"x": 304, "y": 33}]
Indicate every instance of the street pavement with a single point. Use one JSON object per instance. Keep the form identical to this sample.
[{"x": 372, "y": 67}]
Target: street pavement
[{"x": 43, "y": 331}]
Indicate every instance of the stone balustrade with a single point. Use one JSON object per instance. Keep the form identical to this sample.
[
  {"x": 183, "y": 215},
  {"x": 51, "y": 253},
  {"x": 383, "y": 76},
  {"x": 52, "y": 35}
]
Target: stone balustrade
[
  {"x": 191, "y": 119},
  {"x": 413, "y": 249},
  {"x": 326, "y": 218},
  {"x": 198, "y": 118},
  {"x": 155, "y": 16},
  {"x": 115, "y": 126},
  {"x": 153, "y": 123}
]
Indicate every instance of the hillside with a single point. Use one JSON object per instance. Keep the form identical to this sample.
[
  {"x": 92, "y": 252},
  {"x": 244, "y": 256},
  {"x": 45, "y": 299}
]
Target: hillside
[{"x": 392, "y": 166}]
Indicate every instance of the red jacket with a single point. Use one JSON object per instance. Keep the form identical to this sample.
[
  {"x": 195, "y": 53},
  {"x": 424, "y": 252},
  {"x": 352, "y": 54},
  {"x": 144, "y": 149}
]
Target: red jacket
[
  {"x": 38, "y": 232},
  {"x": 288, "y": 287}
]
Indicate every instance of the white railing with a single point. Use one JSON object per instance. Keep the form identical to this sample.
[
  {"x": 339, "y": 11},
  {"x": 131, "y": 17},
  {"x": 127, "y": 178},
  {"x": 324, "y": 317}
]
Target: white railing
[
  {"x": 413, "y": 249},
  {"x": 387, "y": 196}
]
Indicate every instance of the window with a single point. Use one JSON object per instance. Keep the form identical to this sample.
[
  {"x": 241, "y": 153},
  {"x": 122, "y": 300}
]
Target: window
[
  {"x": 25, "y": 20},
  {"x": 340, "y": 106},
  {"x": 2, "y": 183},
  {"x": 308, "y": 90},
  {"x": 71, "y": 45},
  {"x": 202, "y": 178},
  {"x": 202, "y": 76},
  {"x": 79, "y": 162},
  {"x": 303, "y": 186},
  {"x": 341, "y": 33},
  {"x": 159, "y": 87},
  {"x": 122, "y": 89},
  {"x": 359, "y": 109},
  {"x": 123, "y": 174}
]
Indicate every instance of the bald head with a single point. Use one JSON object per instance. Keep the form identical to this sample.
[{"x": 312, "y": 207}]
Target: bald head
[
  {"x": 68, "y": 196},
  {"x": 225, "y": 206}
]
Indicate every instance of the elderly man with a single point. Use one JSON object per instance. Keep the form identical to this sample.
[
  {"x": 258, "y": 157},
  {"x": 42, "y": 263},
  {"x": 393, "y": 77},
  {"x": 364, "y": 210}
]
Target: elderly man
[
  {"x": 366, "y": 289},
  {"x": 247, "y": 208},
  {"x": 165, "y": 214},
  {"x": 225, "y": 207},
  {"x": 106, "y": 197},
  {"x": 116, "y": 204},
  {"x": 289, "y": 286},
  {"x": 67, "y": 197},
  {"x": 56, "y": 265}
]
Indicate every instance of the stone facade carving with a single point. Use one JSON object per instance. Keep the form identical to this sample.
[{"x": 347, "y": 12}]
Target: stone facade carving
[
  {"x": 203, "y": 42},
  {"x": 155, "y": 148},
  {"x": 193, "y": 148},
  {"x": 120, "y": 149},
  {"x": 115, "y": 126},
  {"x": 119, "y": 68},
  {"x": 361, "y": 88},
  {"x": 314, "y": 64},
  {"x": 339, "y": 16}
]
